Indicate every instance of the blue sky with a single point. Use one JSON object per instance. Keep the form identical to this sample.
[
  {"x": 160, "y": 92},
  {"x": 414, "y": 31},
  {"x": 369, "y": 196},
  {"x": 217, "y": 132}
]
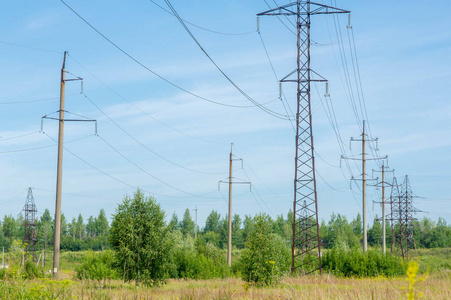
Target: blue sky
[{"x": 175, "y": 146}]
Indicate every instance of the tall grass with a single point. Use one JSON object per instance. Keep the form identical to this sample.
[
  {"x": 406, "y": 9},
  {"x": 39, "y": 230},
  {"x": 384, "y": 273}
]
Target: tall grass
[{"x": 305, "y": 287}]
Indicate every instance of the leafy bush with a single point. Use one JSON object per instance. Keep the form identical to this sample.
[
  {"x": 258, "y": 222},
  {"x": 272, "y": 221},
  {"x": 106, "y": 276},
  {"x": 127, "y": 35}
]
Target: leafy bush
[
  {"x": 198, "y": 260},
  {"x": 266, "y": 258},
  {"x": 354, "y": 263},
  {"x": 31, "y": 270},
  {"x": 97, "y": 266}
]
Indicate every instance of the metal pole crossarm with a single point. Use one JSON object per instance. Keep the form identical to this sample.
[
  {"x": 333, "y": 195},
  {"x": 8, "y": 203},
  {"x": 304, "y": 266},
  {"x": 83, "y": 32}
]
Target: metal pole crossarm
[
  {"x": 59, "y": 176},
  {"x": 285, "y": 10},
  {"x": 285, "y": 79}
]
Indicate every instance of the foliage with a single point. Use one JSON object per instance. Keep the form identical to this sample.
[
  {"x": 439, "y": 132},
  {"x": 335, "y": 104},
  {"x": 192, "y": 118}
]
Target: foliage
[
  {"x": 265, "y": 259},
  {"x": 187, "y": 224},
  {"x": 97, "y": 266},
  {"x": 355, "y": 263},
  {"x": 31, "y": 270},
  {"x": 44, "y": 289},
  {"x": 198, "y": 260},
  {"x": 411, "y": 274},
  {"x": 139, "y": 238}
]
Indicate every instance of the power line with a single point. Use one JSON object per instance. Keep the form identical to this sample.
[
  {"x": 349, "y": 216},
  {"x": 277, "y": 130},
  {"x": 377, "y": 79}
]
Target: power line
[
  {"x": 142, "y": 111},
  {"x": 144, "y": 146},
  {"x": 32, "y": 48},
  {"x": 291, "y": 114},
  {"x": 148, "y": 173},
  {"x": 41, "y": 147},
  {"x": 147, "y": 68},
  {"x": 265, "y": 109},
  {"x": 111, "y": 176},
  {"x": 18, "y": 136},
  {"x": 200, "y": 27}
]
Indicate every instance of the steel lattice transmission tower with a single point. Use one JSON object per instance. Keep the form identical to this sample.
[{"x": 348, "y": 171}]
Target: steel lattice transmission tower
[
  {"x": 306, "y": 251},
  {"x": 30, "y": 235},
  {"x": 402, "y": 212}
]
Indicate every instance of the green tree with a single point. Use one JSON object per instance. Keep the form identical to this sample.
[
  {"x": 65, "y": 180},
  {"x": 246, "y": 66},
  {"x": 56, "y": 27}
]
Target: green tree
[
  {"x": 375, "y": 233},
  {"x": 72, "y": 228},
  {"x": 187, "y": 224},
  {"x": 341, "y": 233},
  {"x": 63, "y": 224},
  {"x": 265, "y": 259},
  {"x": 237, "y": 235},
  {"x": 139, "y": 238},
  {"x": 10, "y": 229},
  {"x": 81, "y": 228},
  {"x": 213, "y": 222},
  {"x": 91, "y": 227},
  {"x": 101, "y": 224},
  {"x": 174, "y": 223},
  {"x": 248, "y": 226},
  {"x": 46, "y": 217}
]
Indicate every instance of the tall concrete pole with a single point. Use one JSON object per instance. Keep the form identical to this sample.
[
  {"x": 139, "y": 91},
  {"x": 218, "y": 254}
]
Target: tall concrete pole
[
  {"x": 383, "y": 210},
  {"x": 59, "y": 175},
  {"x": 195, "y": 228},
  {"x": 364, "y": 190},
  {"x": 229, "y": 247}
]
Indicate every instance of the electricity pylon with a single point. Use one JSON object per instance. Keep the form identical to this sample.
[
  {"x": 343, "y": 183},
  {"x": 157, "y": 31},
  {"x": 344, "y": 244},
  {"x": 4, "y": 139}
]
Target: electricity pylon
[
  {"x": 402, "y": 218},
  {"x": 306, "y": 249},
  {"x": 364, "y": 138},
  {"x": 30, "y": 235}
]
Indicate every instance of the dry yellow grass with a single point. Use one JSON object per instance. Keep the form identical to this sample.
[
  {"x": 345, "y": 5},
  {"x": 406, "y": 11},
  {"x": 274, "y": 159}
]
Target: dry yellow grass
[{"x": 437, "y": 286}]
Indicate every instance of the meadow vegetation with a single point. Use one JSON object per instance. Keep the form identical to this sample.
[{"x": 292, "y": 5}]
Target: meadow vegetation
[{"x": 144, "y": 257}]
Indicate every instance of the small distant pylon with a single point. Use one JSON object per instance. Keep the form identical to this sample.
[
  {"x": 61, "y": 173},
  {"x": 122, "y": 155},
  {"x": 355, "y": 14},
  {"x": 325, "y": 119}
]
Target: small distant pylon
[
  {"x": 402, "y": 212},
  {"x": 30, "y": 234}
]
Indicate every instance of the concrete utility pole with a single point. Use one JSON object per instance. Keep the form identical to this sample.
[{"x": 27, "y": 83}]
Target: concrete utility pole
[
  {"x": 229, "y": 244},
  {"x": 383, "y": 210},
  {"x": 383, "y": 184},
  {"x": 195, "y": 228},
  {"x": 365, "y": 236},
  {"x": 364, "y": 139},
  {"x": 59, "y": 173},
  {"x": 230, "y": 182}
]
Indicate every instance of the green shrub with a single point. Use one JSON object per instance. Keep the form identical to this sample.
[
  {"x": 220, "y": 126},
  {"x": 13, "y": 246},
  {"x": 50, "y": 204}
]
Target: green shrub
[
  {"x": 3, "y": 273},
  {"x": 31, "y": 270},
  {"x": 265, "y": 258},
  {"x": 97, "y": 266},
  {"x": 196, "y": 260},
  {"x": 354, "y": 263}
]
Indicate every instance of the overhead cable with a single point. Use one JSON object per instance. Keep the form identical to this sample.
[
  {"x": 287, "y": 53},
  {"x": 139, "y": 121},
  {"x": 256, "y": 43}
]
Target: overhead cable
[
  {"x": 265, "y": 109},
  {"x": 147, "y": 68},
  {"x": 200, "y": 27},
  {"x": 144, "y": 146}
]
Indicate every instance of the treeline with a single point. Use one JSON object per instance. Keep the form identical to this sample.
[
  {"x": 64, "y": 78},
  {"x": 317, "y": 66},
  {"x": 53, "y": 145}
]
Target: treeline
[
  {"x": 76, "y": 235},
  {"x": 338, "y": 232}
]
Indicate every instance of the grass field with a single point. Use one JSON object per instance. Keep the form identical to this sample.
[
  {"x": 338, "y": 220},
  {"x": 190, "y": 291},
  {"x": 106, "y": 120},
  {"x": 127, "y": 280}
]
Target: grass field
[{"x": 437, "y": 285}]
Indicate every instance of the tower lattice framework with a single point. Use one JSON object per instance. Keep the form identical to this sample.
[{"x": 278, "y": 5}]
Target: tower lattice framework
[
  {"x": 306, "y": 249},
  {"x": 30, "y": 234},
  {"x": 402, "y": 217}
]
